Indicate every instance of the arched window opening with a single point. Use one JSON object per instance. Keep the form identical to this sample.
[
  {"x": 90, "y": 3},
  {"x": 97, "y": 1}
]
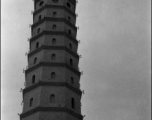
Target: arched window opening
[
  {"x": 55, "y": 1},
  {"x": 37, "y": 44},
  {"x": 70, "y": 45},
  {"x": 38, "y": 30},
  {"x": 54, "y": 27},
  {"x": 68, "y": 4},
  {"x": 53, "y": 75},
  {"x": 71, "y": 62},
  {"x": 72, "y": 80},
  {"x": 35, "y": 60},
  {"x": 53, "y": 57},
  {"x": 69, "y": 18},
  {"x": 33, "y": 79},
  {"x": 31, "y": 102},
  {"x": 72, "y": 103},
  {"x": 69, "y": 31},
  {"x": 41, "y": 3},
  {"x": 54, "y": 14},
  {"x": 52, "y": 98},
  {"x": 40, "y": 17},
  {"x": 53, "y": 41}
]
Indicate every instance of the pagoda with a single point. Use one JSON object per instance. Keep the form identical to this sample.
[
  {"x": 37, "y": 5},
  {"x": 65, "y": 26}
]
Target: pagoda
[{"x": 52, "y": 89}]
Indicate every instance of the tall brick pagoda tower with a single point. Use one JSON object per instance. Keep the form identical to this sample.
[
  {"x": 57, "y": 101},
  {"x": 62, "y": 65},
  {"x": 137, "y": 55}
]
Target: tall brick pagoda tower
[{"x": 52, "y": 90}]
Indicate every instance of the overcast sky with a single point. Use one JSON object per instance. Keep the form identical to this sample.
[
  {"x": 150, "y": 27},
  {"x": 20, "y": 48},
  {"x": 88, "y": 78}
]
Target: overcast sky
[{"x": 115, "y": 48}]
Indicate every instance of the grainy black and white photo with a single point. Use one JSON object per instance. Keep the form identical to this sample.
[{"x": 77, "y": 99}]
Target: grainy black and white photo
[{"x": 76, "y": 59}]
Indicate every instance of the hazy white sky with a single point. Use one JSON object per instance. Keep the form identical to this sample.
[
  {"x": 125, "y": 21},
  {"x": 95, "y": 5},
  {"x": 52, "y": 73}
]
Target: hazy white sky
[{"x": 115, "y": 48}]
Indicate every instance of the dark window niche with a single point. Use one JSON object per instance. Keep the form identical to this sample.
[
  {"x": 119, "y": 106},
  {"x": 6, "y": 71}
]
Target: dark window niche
[
  {"x": 72, "y": 80},
  {"x": 41, "y": 3},
  {"x": 53, "y": 57},
  {"x": 40, "y": 17},
  {"x": 52, "y": 98},
  {"x": 54, "y": 14},
  {"x": 73, "y": 103},
  {"x": 35, "y": 60},
  {"x": 53, "y": 75},
  {"x": 31, "y": 102},
  {"x": 37, "y": 45},
  {"x": 33, "y": 79},
  {"x": 38, "y": 30},
  {"x": 68, "y": 5},
  {"x": 53, "y": 41},
  {"x": 54, "y": 27},
  {"x": 71, "y": 62},
  {"x": 70, "y": 46}
]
